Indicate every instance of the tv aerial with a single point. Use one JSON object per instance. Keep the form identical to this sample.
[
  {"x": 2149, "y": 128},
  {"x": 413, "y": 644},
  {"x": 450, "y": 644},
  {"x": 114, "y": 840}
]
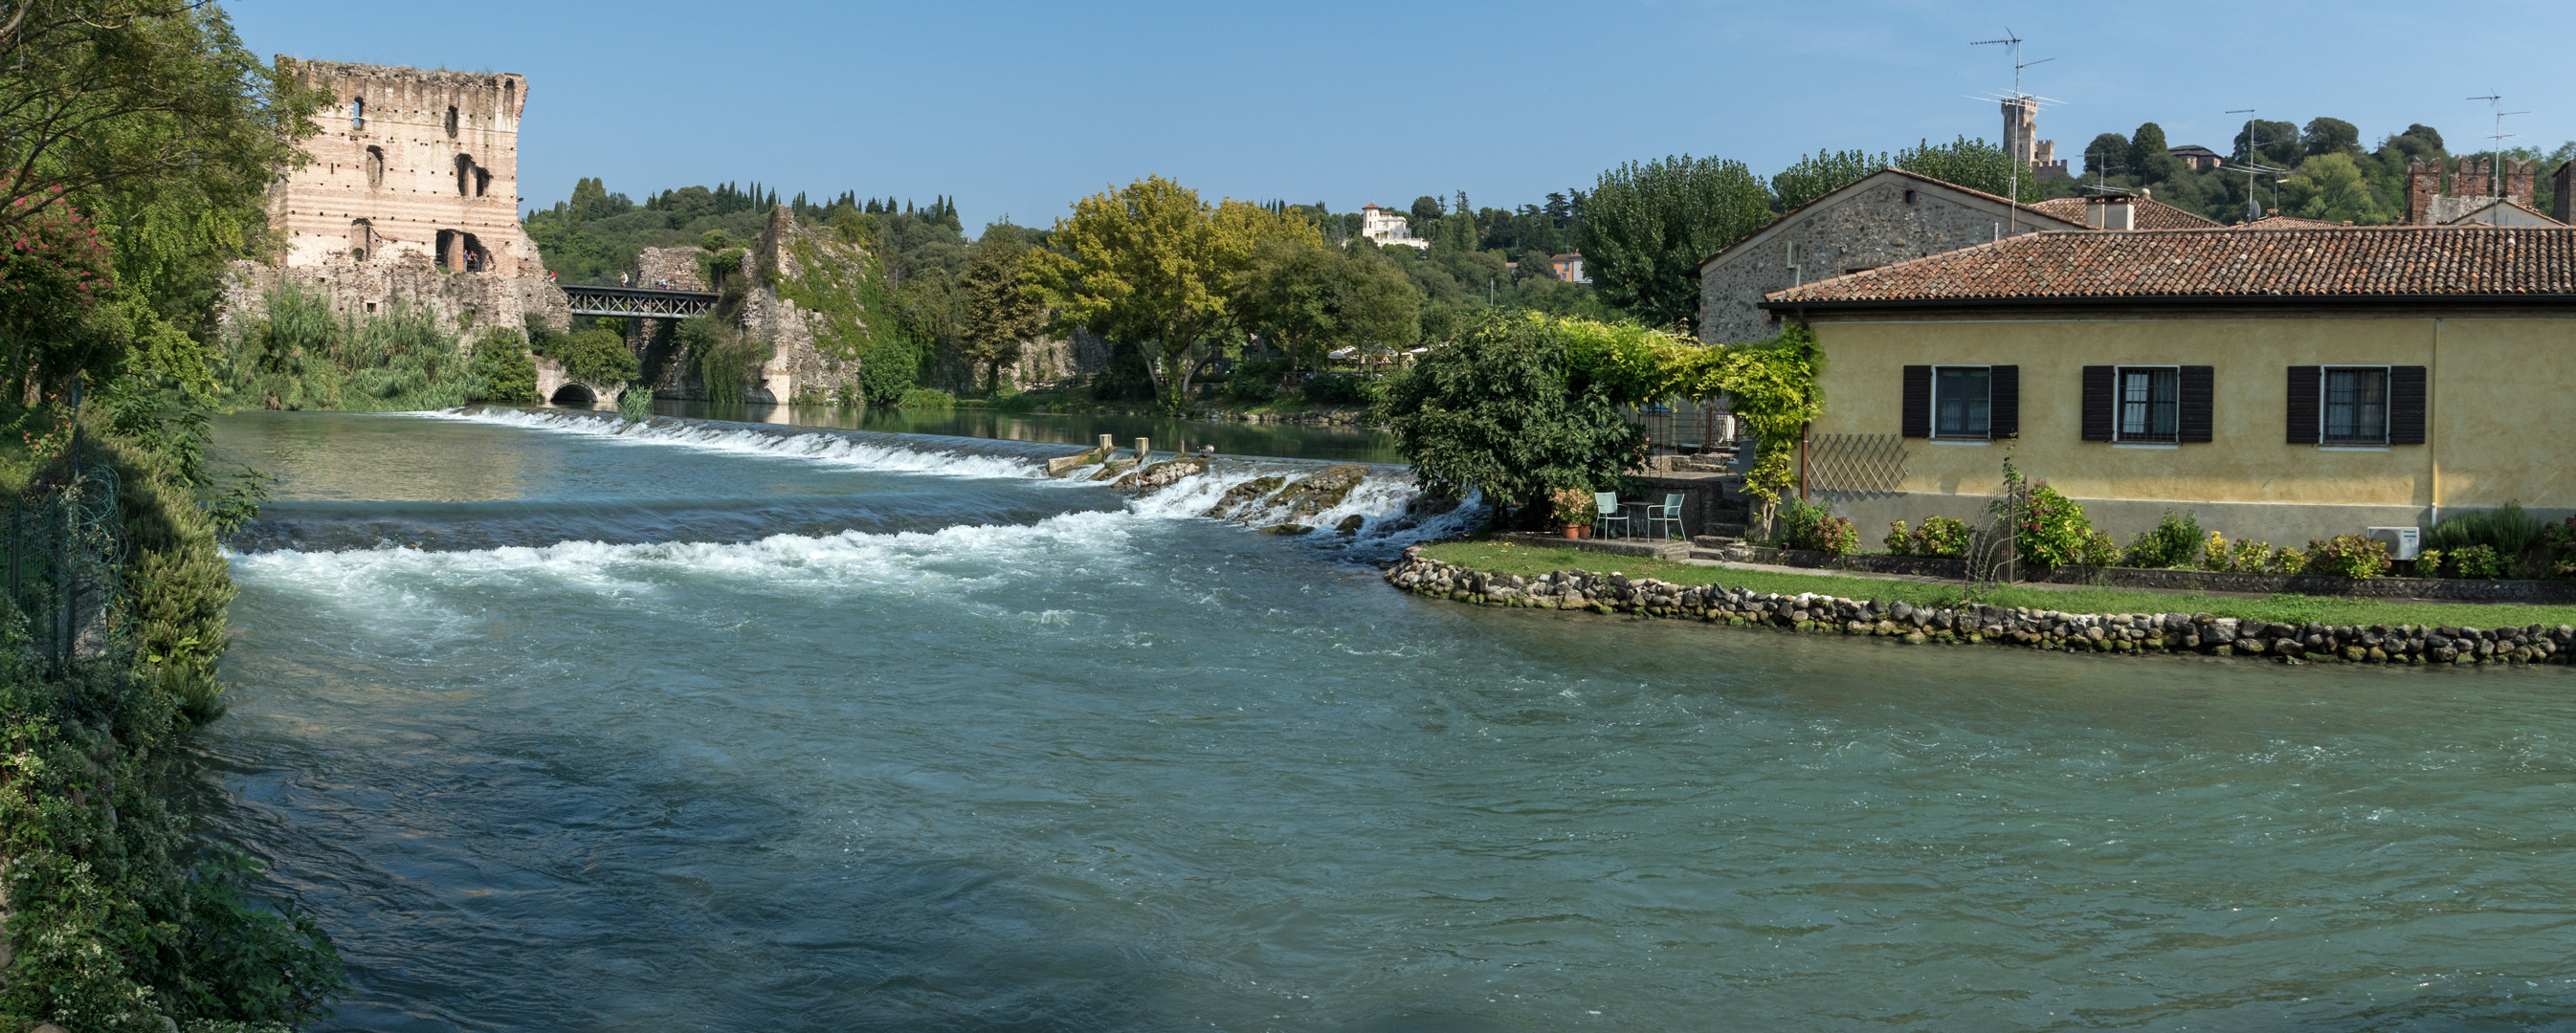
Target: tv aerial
[
  {"x": 2012, "y": 45},
  {"x": 2495, "y": 101}
]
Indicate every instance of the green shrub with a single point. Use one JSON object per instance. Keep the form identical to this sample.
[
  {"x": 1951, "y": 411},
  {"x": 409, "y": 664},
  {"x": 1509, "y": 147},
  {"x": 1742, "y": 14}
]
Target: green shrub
[
  {"x": 1939, "y": 538},
  {"x": 2052, "y": 531},
  {"x": 597, "y": 356},
  {"x": 503, "y": 365},
  {"x": 2505, "y": 529},
  {"x": 1814, "y": 528},
  {"x": 2348, "y": 555},
  {"x": 2428, "y": 562},
  {"x": 635, "y": 403},
  {"x": 2174, "y": 542},
  {"x": 1251, "y": 387},
  {"x": 1339, "y": 389},
  {"x": 2477, "y": 561},
  {"x": 2287, "y": 561},
  {"x": 2558, "y": 549},
  {"x": 2099, "y": 550},
  {"x": 927, "y": 398}
]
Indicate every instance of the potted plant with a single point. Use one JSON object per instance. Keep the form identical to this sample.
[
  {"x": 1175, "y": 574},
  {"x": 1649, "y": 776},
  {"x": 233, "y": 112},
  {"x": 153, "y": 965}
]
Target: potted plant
[{"x": 1573, "y": 509}]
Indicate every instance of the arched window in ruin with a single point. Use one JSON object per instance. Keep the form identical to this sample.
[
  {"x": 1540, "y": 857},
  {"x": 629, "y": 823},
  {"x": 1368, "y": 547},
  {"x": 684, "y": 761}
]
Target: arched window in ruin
[
  {"x": 362, "y": 238},
  {"x": 357, "y": 112},
  {"x": 464, "y": 175},
  {"x": 375, "y": 167},
  {"x": 451, "y": 121}
]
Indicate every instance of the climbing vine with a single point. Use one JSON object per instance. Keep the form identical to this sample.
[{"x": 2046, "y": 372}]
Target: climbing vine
[{"x": 1770, "y": 386}]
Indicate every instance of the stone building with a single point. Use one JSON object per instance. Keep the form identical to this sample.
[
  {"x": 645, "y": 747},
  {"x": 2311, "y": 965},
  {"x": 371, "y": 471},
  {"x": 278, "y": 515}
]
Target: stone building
[
  {"x": 2472, "y": 198},
  {"x": 1887, "y": 216},
  {"x": 2021, "y": 139},
  {"x": 1386, "y": 227},
  {"x": 409, "y": 195}
]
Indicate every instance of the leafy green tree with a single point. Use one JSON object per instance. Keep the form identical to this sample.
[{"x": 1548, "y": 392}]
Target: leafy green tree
[
  {"x": 2330, "y": 186},
  {"x": 1153, "y": 265},
  {"x": 1426, "y": 208},
  {"x": 501, "y": 363},
  {"x": 2107, "y": 155},
  {"x": 2149, "y": 156},
  {"x": 2273, "y": 143},
  {"x": 597, "y": 356},
  {"x": 2330, "y": 136},
  {"x": 1646, "y": 226},
  {"x": 1000, "y": 312},
  {"x": 1974, "y": 164},
  {"x": 1309, "y": 299},
  {"x": 1822, "y": 173},
  {"x": 1498, "y": 412}
]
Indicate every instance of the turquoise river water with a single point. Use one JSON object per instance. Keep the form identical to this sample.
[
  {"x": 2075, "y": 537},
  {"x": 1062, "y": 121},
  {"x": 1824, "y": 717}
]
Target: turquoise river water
[{"x": 709, "y": 726}]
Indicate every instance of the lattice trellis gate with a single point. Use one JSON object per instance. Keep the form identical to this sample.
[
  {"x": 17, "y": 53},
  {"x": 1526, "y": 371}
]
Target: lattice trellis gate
[
  {"x": 1865, "y": 464},
  {"x": 63, "y": 548}
]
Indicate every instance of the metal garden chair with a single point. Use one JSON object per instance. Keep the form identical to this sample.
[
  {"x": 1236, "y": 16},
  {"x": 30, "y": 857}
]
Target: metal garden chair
[
  {"x": 1605, "y": 512},
  {"x": 1668, "y": 514}
]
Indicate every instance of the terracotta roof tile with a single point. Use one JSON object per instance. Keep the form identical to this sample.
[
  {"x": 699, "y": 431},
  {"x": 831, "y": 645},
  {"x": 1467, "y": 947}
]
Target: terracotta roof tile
[
  {"x": 2151, "y": 214},
  {"x": 2287, "y": 222},
  {"x": 2219, "y": 264}
]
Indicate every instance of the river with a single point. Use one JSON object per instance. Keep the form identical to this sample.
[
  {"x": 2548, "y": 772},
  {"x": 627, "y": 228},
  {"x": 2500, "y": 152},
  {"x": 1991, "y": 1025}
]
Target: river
[{"x": 725, "y": 728}]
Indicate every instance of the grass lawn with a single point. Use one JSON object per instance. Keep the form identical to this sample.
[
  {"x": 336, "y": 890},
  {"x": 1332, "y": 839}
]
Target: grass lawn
[{"x": 2284, "y": 609}]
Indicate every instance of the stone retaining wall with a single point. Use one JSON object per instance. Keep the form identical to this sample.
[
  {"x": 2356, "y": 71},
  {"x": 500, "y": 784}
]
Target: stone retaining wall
[
  {"x": 2457, "y": 590},
  {"x": 2129, "y": 633}
]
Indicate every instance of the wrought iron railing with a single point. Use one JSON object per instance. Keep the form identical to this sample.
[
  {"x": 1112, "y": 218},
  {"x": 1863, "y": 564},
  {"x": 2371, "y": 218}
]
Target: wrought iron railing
[{"x": 65, "y": 547}]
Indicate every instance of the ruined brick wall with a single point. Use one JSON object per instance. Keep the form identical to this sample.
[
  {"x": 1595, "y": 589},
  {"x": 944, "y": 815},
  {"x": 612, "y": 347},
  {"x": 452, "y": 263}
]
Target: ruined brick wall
[
  {"x": 678, "y": 265},
  {"x": 1868, "y": 228},
  {"x": 410, "y": 196},
  {"x": 797, "y": 369},
  {"x": 409, "y": 162}
]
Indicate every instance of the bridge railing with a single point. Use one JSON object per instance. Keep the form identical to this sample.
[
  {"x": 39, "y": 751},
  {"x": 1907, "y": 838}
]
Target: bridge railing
[{"x": 633, "y": 301}]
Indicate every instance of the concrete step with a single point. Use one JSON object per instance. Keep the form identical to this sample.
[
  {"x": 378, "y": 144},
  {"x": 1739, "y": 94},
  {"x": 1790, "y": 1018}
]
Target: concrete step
[{"x": 1717, "y": 530}]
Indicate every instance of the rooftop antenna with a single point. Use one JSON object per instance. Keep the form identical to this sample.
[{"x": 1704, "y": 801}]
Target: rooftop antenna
[
  {"x": 2494, "y": 176},
  {"x": 2012, "y": 45},
  {"x": 2252, "y": 168}
]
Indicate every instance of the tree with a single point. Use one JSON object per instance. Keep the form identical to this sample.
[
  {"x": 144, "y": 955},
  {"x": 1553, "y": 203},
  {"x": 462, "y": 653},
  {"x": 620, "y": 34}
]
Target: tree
[
  {"x": 1498, "y": 412},
  {"x": 1153, "y": 265},
  {"x": 2108, "y": 154},
  {"x": 501, "y": 362},
  {"x": 1823, "y": 173},
  {"x": 1308, "y": 299},
  {"x": 2271, "y": 142},
  {"x": 1646, "y": 227},
  {"x": 2330, "y": 136},
  {"x": 120, "y": 98},
  {"x": 1426, "y": 207},
  {"x": 2330, "y": 187},
  {"x": 1000, "y": 313},
  {"x": 2149, "y": 155},
  {"x": 1974, "y": 164},
  {"x": 596, "y": 356}
]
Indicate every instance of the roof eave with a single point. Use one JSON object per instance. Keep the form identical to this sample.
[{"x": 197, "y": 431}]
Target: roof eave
[{"x": 2172, "y": 301}]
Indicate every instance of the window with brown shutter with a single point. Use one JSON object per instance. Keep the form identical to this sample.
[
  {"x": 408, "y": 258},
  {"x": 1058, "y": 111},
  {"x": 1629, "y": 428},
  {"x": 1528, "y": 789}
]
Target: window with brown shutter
[
  {"x": 2306, "y": 389},
  {"x": 2199, "y": 403},
  {"x": 2097, "y": 403},
  {"x": 1917, "y": 420},
  {"x": 2406, "y": 386},
  {"x": 2003, "y": 407}
]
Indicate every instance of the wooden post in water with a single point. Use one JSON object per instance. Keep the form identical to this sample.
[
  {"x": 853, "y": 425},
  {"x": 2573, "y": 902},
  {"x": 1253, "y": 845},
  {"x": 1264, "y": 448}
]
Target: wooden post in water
[
  {"x": 1144, "y": 450},
  {"x": 1108, "y": 445}
]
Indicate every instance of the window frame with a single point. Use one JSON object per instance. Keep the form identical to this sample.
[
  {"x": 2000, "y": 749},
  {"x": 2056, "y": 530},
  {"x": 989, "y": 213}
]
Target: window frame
[
  {"x": 2120, "y": 407},
  {"x": 1985, "y": 434},
  {"x": 2325, "y": 406}
]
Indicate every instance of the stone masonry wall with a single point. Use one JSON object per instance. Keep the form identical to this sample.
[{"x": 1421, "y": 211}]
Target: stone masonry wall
[
  {"x": 1870, "y": 228},
  {"x": 677, "y": 265},
  {"x": 2106, "y": 634},
  {"x": 464, "y": 302},
  {"x": 797, "y": 370},
  {"x": 388, "y": 174}
]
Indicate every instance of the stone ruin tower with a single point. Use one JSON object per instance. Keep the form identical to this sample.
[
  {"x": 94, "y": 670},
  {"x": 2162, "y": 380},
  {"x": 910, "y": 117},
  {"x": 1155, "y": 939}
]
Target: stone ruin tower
[
  {"x": 410, "y": 194},
  {"x": 2022, "y": 143},
  {"x": 2473, "y": 185}
]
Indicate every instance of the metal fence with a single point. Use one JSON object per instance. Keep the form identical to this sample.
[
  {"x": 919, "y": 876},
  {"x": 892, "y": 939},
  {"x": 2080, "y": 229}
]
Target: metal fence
[
  {"x": 1684, "y": 425},
  {"x": 65, "y": 546}
]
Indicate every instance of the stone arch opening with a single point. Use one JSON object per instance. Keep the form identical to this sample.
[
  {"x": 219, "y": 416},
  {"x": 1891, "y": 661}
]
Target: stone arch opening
[
  {"x": 575, "y": 393},
  {"x": 460, "y": 252},
  {"x": 451, "y": 121},
  {"x": 375, "y": 167},
  {"x": 464, "y": 175},
  {"x": 358, "y": 114},
  {"x": 362, "y": 238}
]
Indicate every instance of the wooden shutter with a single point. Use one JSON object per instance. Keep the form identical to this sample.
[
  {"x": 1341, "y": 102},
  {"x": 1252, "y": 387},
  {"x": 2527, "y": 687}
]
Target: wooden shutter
[
  {"x": 2003, "y": 401},
  {"x": 2098, "y": 393},
  {"x": 1918, "y": 401},
  {"x": 2198, "y": 404},
  {"x": 2305, "y": 384},
  {"x": 2405, "y": 405}
]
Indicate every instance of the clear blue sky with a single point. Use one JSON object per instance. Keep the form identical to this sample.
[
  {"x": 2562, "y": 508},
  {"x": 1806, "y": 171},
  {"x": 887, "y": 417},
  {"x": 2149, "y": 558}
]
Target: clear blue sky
[{"x": 1018, "y": 108}]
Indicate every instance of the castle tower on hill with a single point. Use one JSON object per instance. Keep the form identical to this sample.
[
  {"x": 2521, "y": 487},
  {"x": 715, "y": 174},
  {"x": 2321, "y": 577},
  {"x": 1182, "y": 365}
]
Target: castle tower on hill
[
  {"x": 409, "y": 194},
  {"x": 2022, "y": 143}
]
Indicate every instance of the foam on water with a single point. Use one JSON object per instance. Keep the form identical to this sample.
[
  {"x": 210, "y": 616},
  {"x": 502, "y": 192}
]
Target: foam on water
[{"x": 1386, "y": 501}]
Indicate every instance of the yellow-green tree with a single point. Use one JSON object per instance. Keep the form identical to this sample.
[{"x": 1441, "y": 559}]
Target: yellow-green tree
[{"x": 1152, "y": 265}]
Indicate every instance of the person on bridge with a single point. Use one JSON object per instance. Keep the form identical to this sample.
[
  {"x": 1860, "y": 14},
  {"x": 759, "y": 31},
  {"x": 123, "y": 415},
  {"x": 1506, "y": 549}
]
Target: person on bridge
[{"x": 621, "y": 280}]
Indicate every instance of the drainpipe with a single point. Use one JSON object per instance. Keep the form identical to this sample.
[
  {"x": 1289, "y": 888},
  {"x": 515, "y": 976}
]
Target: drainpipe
[{"x": 2432, "y": 432}]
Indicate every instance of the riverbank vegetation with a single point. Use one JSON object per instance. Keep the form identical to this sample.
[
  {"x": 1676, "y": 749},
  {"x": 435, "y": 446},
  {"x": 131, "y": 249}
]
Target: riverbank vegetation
[
  {"x": 1525, "y": 561},
  {"x": 118, "y": 917}
]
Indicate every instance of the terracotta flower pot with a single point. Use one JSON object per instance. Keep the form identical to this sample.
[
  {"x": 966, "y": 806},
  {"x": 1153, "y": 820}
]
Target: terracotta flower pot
[{"x": 1578, "y": 530}]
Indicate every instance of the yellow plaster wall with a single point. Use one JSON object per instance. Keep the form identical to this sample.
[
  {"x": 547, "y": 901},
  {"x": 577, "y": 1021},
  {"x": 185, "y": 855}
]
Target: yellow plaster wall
[{"x": 2502, "y": 422}]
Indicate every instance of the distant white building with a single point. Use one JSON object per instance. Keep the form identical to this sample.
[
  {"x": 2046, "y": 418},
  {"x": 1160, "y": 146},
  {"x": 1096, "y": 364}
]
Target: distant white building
[
  {"x": 1569, "y": 267},
  {"x": 1386, "y": 226}
]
